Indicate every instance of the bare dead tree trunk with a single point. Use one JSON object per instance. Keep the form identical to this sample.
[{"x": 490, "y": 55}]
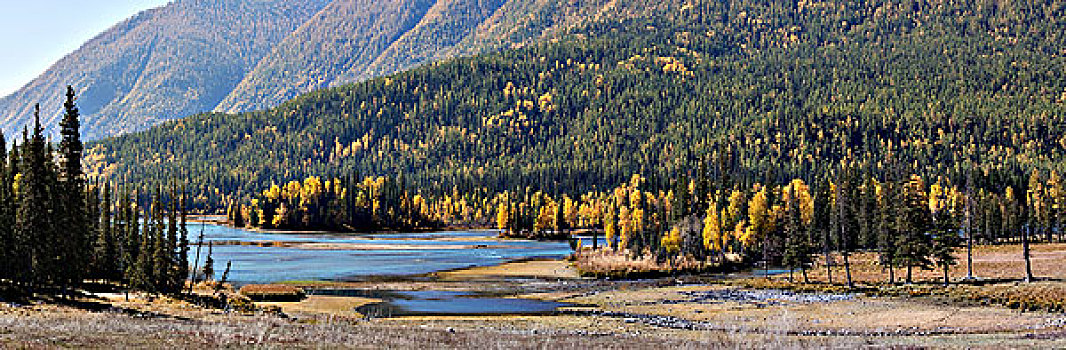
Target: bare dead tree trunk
[
  {"x": 828, "y": 259},
  {"x": 969, "y": 226},
  {"x": 847, "y": 270},
  {"x": 946, "y": 267},
  {"x": 196, "y": 263},
  {"x": 1025, "y": 254},
  {"x": 843, "y": 234}
]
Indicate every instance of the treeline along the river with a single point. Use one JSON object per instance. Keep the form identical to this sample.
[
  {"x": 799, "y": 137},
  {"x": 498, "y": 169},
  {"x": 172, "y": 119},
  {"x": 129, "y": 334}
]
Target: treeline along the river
[{"x": 910, "y": 221}]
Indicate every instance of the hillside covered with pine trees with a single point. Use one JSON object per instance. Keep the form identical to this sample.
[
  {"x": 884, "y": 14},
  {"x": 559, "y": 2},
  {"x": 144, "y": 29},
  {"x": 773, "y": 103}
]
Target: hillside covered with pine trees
[{"x": 761, "y": 91}]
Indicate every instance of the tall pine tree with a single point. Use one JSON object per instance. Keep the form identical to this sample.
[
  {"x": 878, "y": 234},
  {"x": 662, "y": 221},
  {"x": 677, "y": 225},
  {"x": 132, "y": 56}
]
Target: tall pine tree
[
  {"x": 7, "y": 214},
  {"x": 73, "y": 220},
  {"x": 34, "y": 222}
]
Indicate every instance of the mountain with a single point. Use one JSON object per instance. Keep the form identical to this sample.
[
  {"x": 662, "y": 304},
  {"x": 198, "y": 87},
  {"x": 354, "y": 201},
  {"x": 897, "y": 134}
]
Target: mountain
[
  {"x": 354, "y": 40},
  {"x": 164, "y": 63},
  {"x": 766, "y": 91},
  {"x": 194, "y": 56}
]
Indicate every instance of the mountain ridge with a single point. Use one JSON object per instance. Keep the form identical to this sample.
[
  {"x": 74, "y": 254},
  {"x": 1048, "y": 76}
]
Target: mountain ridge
[{"x": 194, "y": 56}]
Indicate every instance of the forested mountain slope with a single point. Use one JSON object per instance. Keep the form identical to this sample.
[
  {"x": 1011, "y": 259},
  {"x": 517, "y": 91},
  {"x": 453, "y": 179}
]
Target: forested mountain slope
[
  {"x": 164, "y": 63},
  {"x": 768, "y": 91},
  {"x": 353, "y": 40},
  {"x": 195, "y": 56}
]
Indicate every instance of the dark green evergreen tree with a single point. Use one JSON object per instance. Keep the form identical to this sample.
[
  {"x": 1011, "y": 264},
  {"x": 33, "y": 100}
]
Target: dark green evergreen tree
[
  {"x": 913, "y": 243},
  {"x": 945, "y": 240},
  {"x": 35, "y": 224},
  {"x": 7, "y": 214},
  {"x": 183, "y": 242},
  {"x": 107, "y": 244},
  {"x": 887, "y": 224},
  {"x": 74, "y": 223},
  {"x": 209, "y": 263},
  {"x": 798, "y": 248},
  {"x": 91, "y": 206}
]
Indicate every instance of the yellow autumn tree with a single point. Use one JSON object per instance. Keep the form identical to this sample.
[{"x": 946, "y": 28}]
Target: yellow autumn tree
[
  {"x": 797, "y": 191},
  {"x": 671, "y": 241},
  {"x": 713, "y": 238},
  {"x": 570, "y": 210},
  {"x": 758, "y": 217},
  {"x": 625, "y": 225},
  {"x": 1056, "y": 193},
  {"x": 936, "y": 198},
  {"x": 545, "y": 216},
  {"x": 503, "y": 216},
  {"x": 736, "y": 207},
  {"x": 610, "y": 228}
]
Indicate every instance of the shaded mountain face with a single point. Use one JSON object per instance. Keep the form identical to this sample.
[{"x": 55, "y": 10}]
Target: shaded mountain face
[
  {"x": 161, "y": 64},
  {"x": 195, "y": 56}
]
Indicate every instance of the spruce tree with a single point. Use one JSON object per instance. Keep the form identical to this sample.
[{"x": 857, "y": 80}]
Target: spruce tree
[
  {"x": 237, "y": 217},
  {"x": 171, "y": 247},
  {"x": 138, "y": 261},
  {"x": 209, "y": 263},
  {"x": 798, "y": 249},
  {"x": 131, "y": 244},
  {"x": 20, "y": 257},
  {"x": 74, "y": 221},
  {"x": 887, "y": 232},
  {"x": 35, "y": 221},
  {"x": 823, "y": 221},
  {"x": 107, "y": 255},
  {"x": 7, "y": 214},
  {"x": 183, "y": 241},
  {"x": 845, "y": 219},
  {"x": 945, "y": 240},
  {"x": 160, "y": 254},
  {"x": 914, "y": 243},
  {"x": 95, "y": 266}
]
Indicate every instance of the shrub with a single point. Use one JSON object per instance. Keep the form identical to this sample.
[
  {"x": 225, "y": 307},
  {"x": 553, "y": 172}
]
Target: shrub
[{"x": 272, "y": 292}]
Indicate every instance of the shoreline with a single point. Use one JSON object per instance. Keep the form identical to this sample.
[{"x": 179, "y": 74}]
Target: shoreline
[{"x": 220, "y": 220}]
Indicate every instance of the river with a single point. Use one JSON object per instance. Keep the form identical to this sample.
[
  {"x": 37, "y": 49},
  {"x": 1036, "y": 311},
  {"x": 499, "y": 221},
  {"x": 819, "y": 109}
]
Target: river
[{"x": 274, "y": 257}]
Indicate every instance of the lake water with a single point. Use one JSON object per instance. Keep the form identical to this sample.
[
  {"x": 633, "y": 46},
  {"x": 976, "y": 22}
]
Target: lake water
[{"x": 420, "y": 253}]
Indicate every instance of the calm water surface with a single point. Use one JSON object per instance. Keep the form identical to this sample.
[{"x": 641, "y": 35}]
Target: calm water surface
[{"x": 255, "y": 264}]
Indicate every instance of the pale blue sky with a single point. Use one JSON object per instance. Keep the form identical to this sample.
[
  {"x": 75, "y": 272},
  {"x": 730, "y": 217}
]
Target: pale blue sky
[{"x": 34, "y": 34}]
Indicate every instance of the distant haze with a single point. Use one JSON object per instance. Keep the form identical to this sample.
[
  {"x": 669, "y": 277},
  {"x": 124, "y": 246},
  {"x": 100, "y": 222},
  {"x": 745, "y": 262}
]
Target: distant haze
[{"x": 35, "y": 34}]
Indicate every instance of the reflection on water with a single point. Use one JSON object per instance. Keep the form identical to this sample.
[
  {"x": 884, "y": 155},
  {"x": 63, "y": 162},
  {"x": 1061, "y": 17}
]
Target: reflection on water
[
  {"x": 255, "y": 264},
  {"x": 430, "y": 302}
]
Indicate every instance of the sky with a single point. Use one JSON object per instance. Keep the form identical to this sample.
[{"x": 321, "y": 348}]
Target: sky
[{"x": 34, "y": 34}]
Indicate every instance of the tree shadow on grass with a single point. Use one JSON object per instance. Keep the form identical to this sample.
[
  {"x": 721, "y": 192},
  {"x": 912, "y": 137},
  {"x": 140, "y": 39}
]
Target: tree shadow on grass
[{"x": 81, "y": 299}]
